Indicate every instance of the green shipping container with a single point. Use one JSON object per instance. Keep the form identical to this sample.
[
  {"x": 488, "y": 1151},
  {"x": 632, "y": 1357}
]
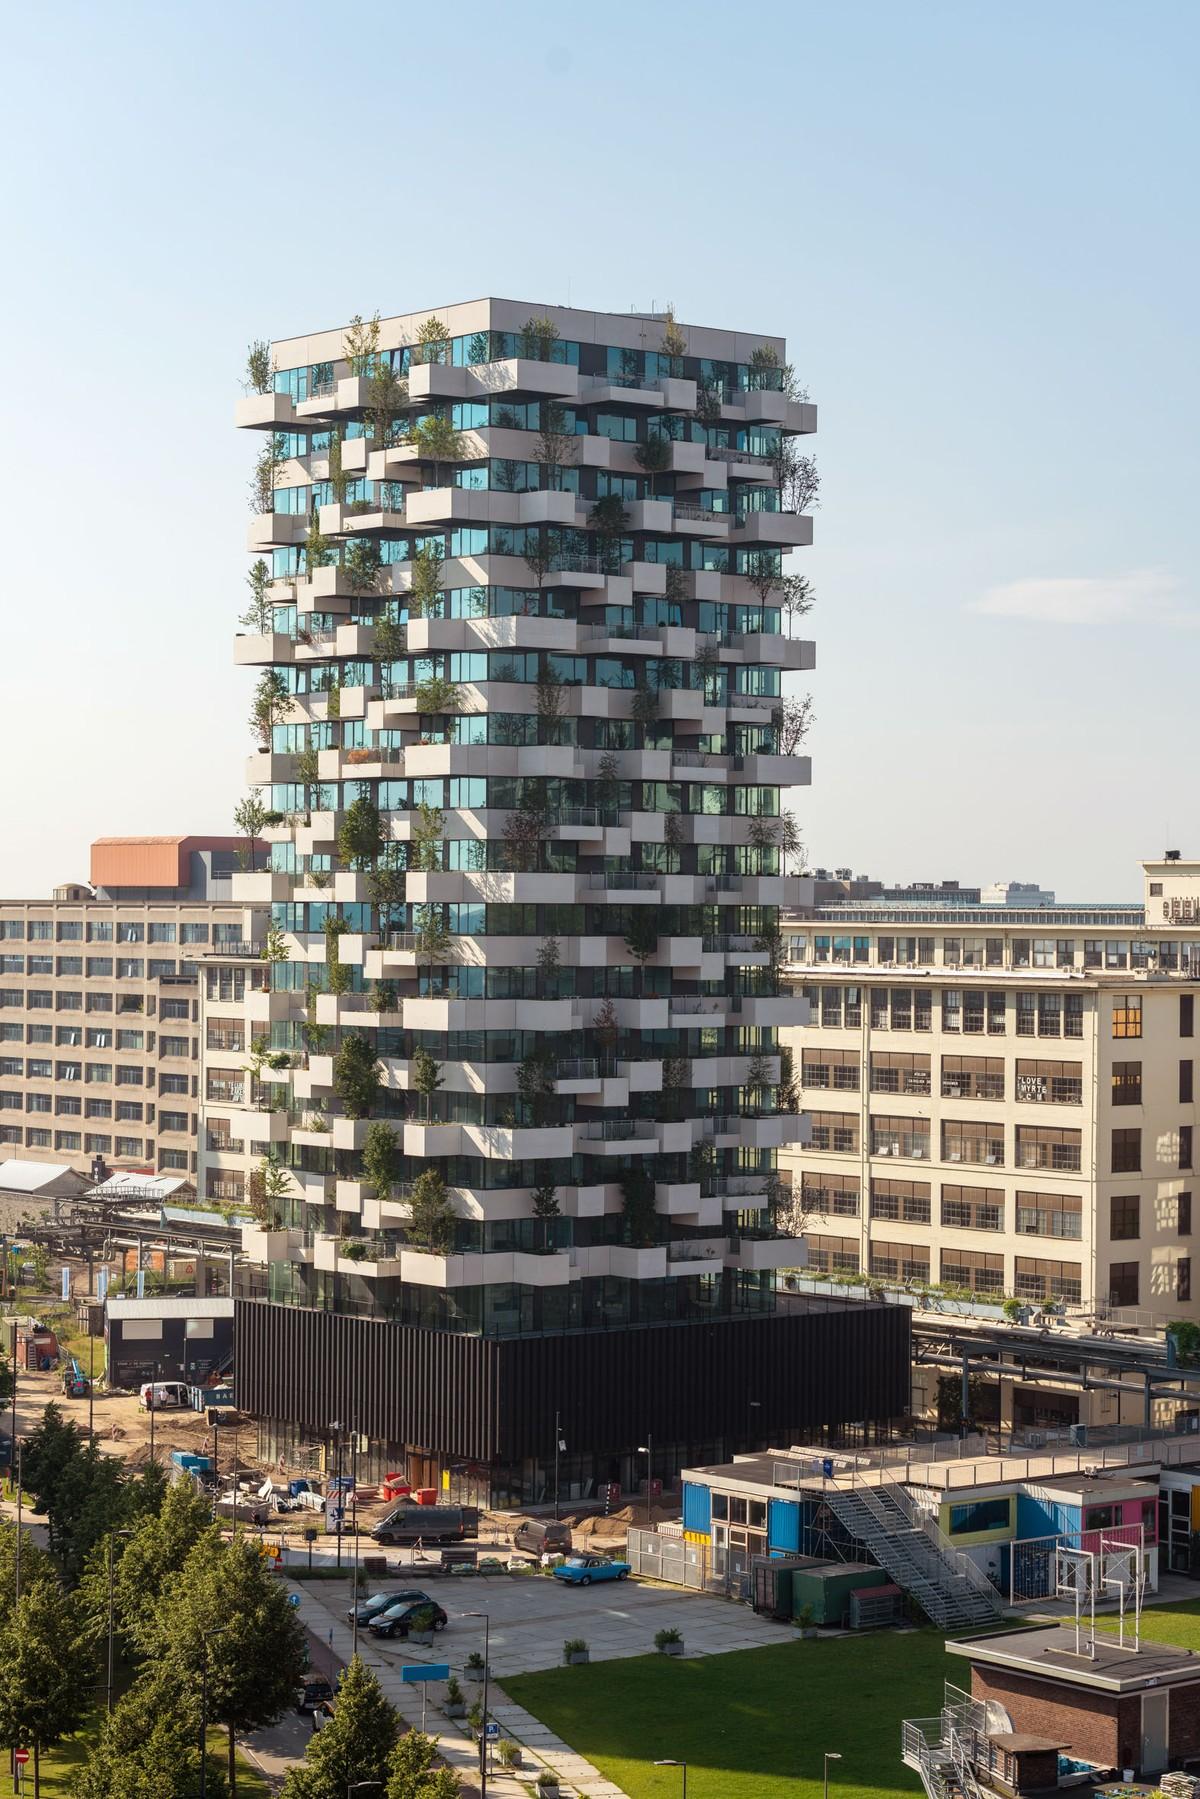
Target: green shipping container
[{"x": 827, "y": 1588}]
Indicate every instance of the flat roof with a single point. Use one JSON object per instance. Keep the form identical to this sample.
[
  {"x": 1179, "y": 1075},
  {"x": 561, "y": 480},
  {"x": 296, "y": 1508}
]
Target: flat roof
[
  {"x": 1093, "y": 1486},
  {"x": 170, "y": 1306},
  {"x": 1049, "y": 1652}
]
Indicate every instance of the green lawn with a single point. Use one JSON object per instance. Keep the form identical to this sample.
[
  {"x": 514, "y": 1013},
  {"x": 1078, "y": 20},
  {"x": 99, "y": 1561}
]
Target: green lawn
[
  {"x": 751, "y": 1725},
  {"x": 1178, "y": 1623}
]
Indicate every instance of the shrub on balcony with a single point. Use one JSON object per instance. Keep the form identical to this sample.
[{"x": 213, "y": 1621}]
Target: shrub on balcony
[
  {"x": 356, "y": 1077},
  {"x": 379, "y": 1154},
  {"x": 260, "y": 367},
  {"x": 431, "y": 1225}
]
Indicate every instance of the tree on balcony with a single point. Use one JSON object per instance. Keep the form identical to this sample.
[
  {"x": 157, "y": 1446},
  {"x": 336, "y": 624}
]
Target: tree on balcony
[
  {"x": 550, "y": 704},
  {"x": 356, "y": 1078},
  {"x": 654, "y": 458},
  {"x": 360, "y": 343},
  {"x": 789, "y": 840},
  {"x": 260, "y": 367},
  {"x": 674, "y": 343},
  {"x": 432, "y": 938},
  {"x": 270, "y": 1185},
  {"x": 318, "y": 550},
  {"x": 275, "y": 947},
  {"x": 438, "y": 442},
  {"x": 702, "y": 1164},
  {"x": 428, "y": 830},
  {"x": 607, "y": 787},
  {"x": 425, "y": 589},
  {"x": 433, "y": 340},
  {"x": 555, "y": 447},
  {"x": 361, "y": 837},
  {"x": 339, "y": 480},
  {"x": 540, "y": 554},
  {"x": 425, "y": 1078},
  {"x": 606, "y": 1027},
  {"x": 386, "y": 890},
  {"x": 364, "y": 565},
  {"x": 797, "y": 477},
  {"x": 259, "y": 616},
  {"x": 763, "y": 833},
  {"x": 391, "y": 641},
  {"x": 308, "y": 774},
  {"x": 271, "y": 702},
  {"x": 538, "y": 338},
  {"x": 792, "y": 720},
  {"x": 535, "y": 1086},
  {"x": 387, "y": 395},
  {"x": 315, "y": 1035},
  {"x": 771, "y": 940},
  {"x": 545, "y": 1209},
  {"x": 637, "y": 1206},
  {"x": 708, "y": 404},
  {"x": 249, "y": 815},
  {"x": 706, "y": 672},
  {"x": 610, "y": 521},
  {"x": 787, "y": 1096},
  {"x": 645, "y": 705},
  {"x": 641, "y": 937},
  {"x": 524, "y": 829},
  {"x": 672, "y": 840},
  {"x": 677, "y": 1085},
  {"x": 267, "y": 465},
  {"x": 337, "y": 974},
  {"x": 548, "y": 963},
  {"x": 384, "y": 997},
  {"x": 379, "y": 1158},
  {"x": 431, "y": 1226}
]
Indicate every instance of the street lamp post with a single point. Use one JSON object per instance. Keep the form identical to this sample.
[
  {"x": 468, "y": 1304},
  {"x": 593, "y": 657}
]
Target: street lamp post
[
  {"x": 831, "y": 1755},
  {"x": 647, "y": 1449},
  {"x": 487, "y": 1627},
  {"x": 558, "y": 1445},
  {"x": 153, "y": 1406},
  {"x": 336, "y": 1427},
  {"x": 663, "y": 1762}
]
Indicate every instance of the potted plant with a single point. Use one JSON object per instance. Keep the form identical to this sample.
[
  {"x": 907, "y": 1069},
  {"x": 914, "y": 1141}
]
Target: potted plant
[
  {"x": 509, "y": 1753},
  {"x": 668, "y": 1642},
  {"x": 421, "y": 1628},
  {"x": 454, "y": 1704},
  {"x": 475, "y": 1721},
  {"x": 804, "y": 1619},
  {"x": 547, "y": 1783},
  {"x": 575, "y": 1651},
  {"x": 473, "y": 1668}
]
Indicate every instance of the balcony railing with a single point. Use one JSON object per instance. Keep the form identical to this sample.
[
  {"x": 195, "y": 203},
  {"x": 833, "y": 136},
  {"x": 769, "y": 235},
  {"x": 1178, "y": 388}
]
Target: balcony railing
[
  {"x": 699, "y": 1004},
  {"x": 575, "y": 815},
  {"x": 580, "y": 1068},
  {"x": 625, "y": 879},
  {"x": 703, "y": 514},
  {"x": 725, "y": 454},
  {"x": 231, "y": 1146},
  {"x": 571, "y": 561},
  {"x": 727, "y": 944},
  {"x": 612, "y": 1130}
]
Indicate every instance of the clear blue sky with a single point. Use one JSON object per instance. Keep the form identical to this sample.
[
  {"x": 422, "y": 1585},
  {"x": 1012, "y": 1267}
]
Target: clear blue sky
[{"x": 975, "y": 225}]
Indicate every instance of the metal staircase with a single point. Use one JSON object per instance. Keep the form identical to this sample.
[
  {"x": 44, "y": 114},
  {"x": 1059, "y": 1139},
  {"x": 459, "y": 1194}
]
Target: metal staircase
[
  {"x": 940, "y": 1748},
  {"x": 946, "y": 1584}
]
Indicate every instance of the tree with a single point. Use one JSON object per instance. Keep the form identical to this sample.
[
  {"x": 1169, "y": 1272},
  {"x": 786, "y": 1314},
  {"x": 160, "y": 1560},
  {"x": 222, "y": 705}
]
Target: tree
[
  {"x": 432, "y": 1220},
  {"x": 53, "y": 1448},
  {"x": 545, "y": 1209},
  {"x": 337, "y": 975},
  {"x": 789, "y": 839},
  {"x": 260, "y": 367},
  {"x": 673, "y": 838},
  {"x": 432, "y": 340},
  {"x": 249, "y": 815},
  {"x": 437, "y": 696},
  {"x": 676, "y": 1082},
  {"x": 606, "y": 1027},
  {"x": 318, "y": 550},
  {"x": 538, "y": 338},
  {"x": 432, "y": 937},
  {"x": 91, "y": 1500},
  {"x": 541, "y": 554},
  {"x": 706, "y": 667},
  {"x": 47, "y": 1665},
  {"x": 797, "y": 478},
  {"x": 425, "y": 1077},
  {"x": 674, "y": 343},
  {"x": 793, "y": 719},
  {"x": 535, "y": 1084},
  {"x": 391, "y": 639},
  {"x": 637, "y": 1205},
  {"x": 771, "y": 940},
  {"x": 226, "y": 1613},
  {"x": 610, "y": 521},
  {"x": 270, "y": 1184},
  {"x": 35, "y": 1565},
  {"x": 361, "y": 837},
  {"x": 797, "y": 596},
  {"x": 414, "y": 1771},
  {"x": 787, "y": 1096},
  {"x": 154, "y": 1556},
  {"x": 644, "y": 706},
  {"x": 266, "y": 473},
  {"x": 339, "y": 480},
  {"x": 386, "y": 889},
  {"x": 708, "y": 403},
  {"x": 148, "y": 1748},
  {"x": 641, "y": 935},
  {"x": 259, "y": 614},
  {"x": 360, "y": 344},
  {"x": 607, "y": 789},
  {"x": 438, "y": 442},
  {"x": 524, "y": 829},
  {"x": 425, "y": 590},
  {"x": 654, "y": 457},
  {"x": 387, "y": 394},
  {"x": 550, "y": 708},
  {"x": 364, "y": 565},
  {"x": 356, "y": 1078},
  {"x": 548, "y": 963},
  {"x": 426, "y": 836},
  {"x": 379, "y": 1153},
  {"x": 555, "y": 447},
  {"x": 308, "y": 773},
  {"x": 355, "y": 1745},
  {"x": 271, "y": 701}
]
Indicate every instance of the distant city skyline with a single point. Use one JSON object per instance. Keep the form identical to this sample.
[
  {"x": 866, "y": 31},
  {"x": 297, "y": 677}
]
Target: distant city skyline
[{"x": 967, "y": 224}]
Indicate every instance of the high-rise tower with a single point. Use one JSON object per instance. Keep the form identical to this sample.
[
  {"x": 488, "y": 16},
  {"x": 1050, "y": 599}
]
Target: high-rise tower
[{"x": 524, "y": 732}]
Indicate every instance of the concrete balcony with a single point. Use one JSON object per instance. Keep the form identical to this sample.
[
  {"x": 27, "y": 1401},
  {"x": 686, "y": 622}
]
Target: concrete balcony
[
  {"x": 695, "y": 1255},
  {"x": 774, "y": 530},
  {"x": 267, "y": 1008},
  {"x": 265, "y": 412},
  {"x": 485, "y": 1269},
  {"x": 262, "y": 1247},
  {"x": 618, "y": 1137},
  {"x": 524, "y": 1143},
  {"x": 672, "y": 1197},
  {"x": 621, "y": 1261},
  {"x": 643, "y": 1077},
  {"x": 363, "y": 519},
  {"x": 263, "y": 1128},
  {"x": 550, "y": 1015},
  {"x": 694, "y": 1012},
  {"x": 756, "y": 1254},
  {"x": 349, "y": 1133},
  {"x": 549, "y": 889},
  {"x": 440, "y": 381},
  {"x": 275, "y": 530},
  {"x": 779, "y": 1009},
  {"x": 261, "y": 888},
  {"x": 255, "y": 651},
  {"x": 774, "y": 771},
  {"x": 329, "y": 1254},
  {"x": 578, "y": 1075},
  {"x": 348, "y": 397},
  {"x": 521, "y": 374},
  {"x": 773, "y": 1130}
]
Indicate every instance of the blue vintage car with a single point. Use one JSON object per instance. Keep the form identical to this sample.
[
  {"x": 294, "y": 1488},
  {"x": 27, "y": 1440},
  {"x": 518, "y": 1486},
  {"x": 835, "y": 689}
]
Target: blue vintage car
[{"x": 582, "y": 1570}]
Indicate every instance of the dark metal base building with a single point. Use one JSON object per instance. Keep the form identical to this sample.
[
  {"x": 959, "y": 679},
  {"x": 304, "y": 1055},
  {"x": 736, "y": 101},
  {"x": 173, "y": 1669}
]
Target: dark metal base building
[{"x": 475, "y": 1416}]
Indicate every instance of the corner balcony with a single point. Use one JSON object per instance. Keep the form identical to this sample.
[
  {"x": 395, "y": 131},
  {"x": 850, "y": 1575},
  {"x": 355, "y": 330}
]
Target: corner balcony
[
  {"x": 771, "y": 1009},
  {"x": 550, "y": 1015},
  {"x": 382, "y": 516},
  {"x": 579, "y": 1075},
  {"x": 252, "y": 651},
  {"x": 775, "y": 530},
  {"x": 695, "y": 1255},
  {"x": 520, "y": 374},
  {"x": 617, "y": 1137},
  {"x": 265, "y": 412},
  {"x": 622, "y": 1262},
  {"x": 275, "y": 530},
  {"x": 348, "y": 397},
  {"x": 692, "y": 1012},
  {"x": 262, "y": 1247},
  {"x": 520, "y": 1144},
  {"x": 491, "y": 1268},
  {"x": 375, "y": 1259},
  {"x": 757, "y": 1254}
]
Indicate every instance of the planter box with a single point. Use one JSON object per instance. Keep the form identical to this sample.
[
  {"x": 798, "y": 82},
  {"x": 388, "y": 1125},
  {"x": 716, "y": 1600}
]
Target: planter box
[
  {"x": 577, "y": 1658},
  {"x": 475, "y": 1674},
  {"x": 455, "y": 1711},
  {"x": 671, "y": 1649},
  {"x": 424, "y": 1637}
]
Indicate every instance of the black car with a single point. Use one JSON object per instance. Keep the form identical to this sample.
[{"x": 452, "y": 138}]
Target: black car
[
  {"x": 383, "y": 1602},
  {"x": 403, "y": 1619},
  {"x": 312, "y": 1694}
]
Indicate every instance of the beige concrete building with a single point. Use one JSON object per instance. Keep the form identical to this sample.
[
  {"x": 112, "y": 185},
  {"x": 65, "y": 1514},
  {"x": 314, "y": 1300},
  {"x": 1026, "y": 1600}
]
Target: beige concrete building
[
  {"x": 1003, "y": 1099},
  {"x": 99, "y": 1006}
]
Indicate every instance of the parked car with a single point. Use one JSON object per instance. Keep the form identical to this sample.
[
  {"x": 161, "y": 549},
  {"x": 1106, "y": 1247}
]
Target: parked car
[
  {"x": 399, "y": 1620},
  {"x": 427, "y": 1524},
  {"x": 537, "y": 1537},
  {"x": 382, "y": 1602},
  {"x": 582, "y": 1570},
  {"x": 312, "y": 1694}
]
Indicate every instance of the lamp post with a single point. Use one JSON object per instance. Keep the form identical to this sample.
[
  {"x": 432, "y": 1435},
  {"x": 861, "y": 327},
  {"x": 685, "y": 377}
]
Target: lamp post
[
  {"x": 153, "y": 1385},
  {"x": 558, "y": 1445},
  {"x": 487, "y": 1627},
  {"x": 831, "y": 1755},
  {"x": 663, "y": 1762},
  {"x": 204, "y": 1641},
  {"x": 647, "y": 1449},
  {"x": 336, "y": 1427}
]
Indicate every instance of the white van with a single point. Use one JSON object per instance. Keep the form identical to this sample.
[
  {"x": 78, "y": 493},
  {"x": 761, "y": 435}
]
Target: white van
[{"x": 163, "y": 1396}]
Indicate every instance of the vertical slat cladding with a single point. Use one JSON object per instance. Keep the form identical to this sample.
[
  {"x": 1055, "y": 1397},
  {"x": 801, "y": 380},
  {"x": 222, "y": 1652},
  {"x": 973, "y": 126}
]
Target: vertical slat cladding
[{"x": 490, "y": 1400}]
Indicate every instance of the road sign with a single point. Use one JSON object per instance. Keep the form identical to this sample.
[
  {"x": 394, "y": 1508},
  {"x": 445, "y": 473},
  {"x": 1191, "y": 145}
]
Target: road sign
[
  {"x": 425, "y": 1671},
  {"x": 20, "y": 1756},
  {"x": 492, "y": 1731},
  {"x": 294, "y": 1600}
]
